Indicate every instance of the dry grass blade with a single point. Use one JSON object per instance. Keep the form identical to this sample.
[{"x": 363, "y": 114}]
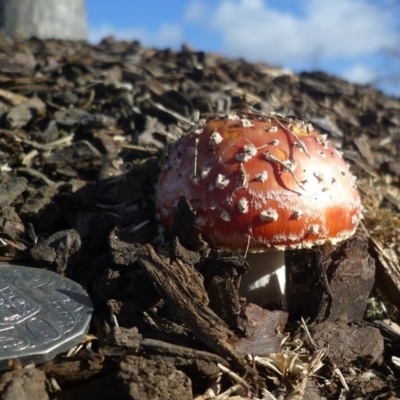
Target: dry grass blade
[
  {"x": 305, "y": 327},
  {"x": 298, "y": 141},
  {"x": 270, "y": 157},
  {"x": 208, "y": 395},
  {"x": 338, "y": 372},
  {"x": 299, "y": 389},
  {"x": 267, "y": 395},
  {"x": 64, "y": 142},
  {"x": 232, "y": 390},
  {"x": 236, "y": 378}
]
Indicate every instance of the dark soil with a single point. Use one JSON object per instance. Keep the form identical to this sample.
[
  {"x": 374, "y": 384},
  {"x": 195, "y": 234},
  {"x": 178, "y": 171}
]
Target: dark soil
[{"x": 83, "y": 130}]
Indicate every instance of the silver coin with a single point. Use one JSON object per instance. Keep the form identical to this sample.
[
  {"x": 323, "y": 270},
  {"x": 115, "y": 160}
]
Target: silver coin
[{"x": 42, "y": 314}]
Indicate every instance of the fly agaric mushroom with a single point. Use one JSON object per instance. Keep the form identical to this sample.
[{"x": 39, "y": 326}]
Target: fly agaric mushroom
[{"x": 261, "y": 183}]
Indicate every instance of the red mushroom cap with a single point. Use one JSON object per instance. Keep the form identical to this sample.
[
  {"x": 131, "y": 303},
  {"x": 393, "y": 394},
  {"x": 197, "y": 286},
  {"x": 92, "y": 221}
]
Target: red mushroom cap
[{"x": 258, "y": 182}]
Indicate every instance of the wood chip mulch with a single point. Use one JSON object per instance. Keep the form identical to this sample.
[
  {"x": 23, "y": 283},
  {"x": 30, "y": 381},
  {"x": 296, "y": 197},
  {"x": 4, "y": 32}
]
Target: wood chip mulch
[{"x": 83, "y": 130}]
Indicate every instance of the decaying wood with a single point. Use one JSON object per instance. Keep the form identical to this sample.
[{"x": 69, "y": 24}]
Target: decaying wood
[
  {"x": 83, "y": 131},
  {"x": 387, "y": 272},
  {"x": 349, "y": 345},
  {"x": 20, "y": 115},
  {"x": 23, "y": 384},
  {"x": 346, "y": 279},
  {"x": 121, "y": 341},
  {"x": 263, "y": 331},
  {"x": 191, "y": 361},
  {"x": 221, "y": 270},
  {"x": 182, "y": 287},
  {"x": 389, "y": 330},
  {"x": 57, "y": 249},
  {"x": 70, "y": 372},
  {"x": 138, "y": 378}
]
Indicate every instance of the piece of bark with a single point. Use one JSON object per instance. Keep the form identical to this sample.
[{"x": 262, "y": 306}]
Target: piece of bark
[
  {"x": 37, "y": 201},
  {"x": 187, "y": 256},
  {"x": 222, "y": 270},
  {"x": 47, "y": 132},
  {"x": 313, "y": 391},
  {"x": 124, "y": 252},
  {"x": 371, "y": 385},
  {"x": 127, "y": 188},
  {"x": 392, "y": 195},
  {"x": 121, "y": 341},
  {"x": 224, "y": 298},
  {"x": 35, "y": 175},
  {"x": 349, "y": 345},
  {"x": 11, "y": 224},
  {"x": 17, "y": 63},
  {"x": 13, "y": 98},
  {"x": 141, "y": 379},
  {"x": 326, "y": 124},
  {"x": 23, "y": 384},
  {"x": 393, "y": 167},
  {"x": 21, "y": 114},
  {"x": 95, "y": 388},
  {"x": 363, "y": 145},
  {"x": 387, "y": 272},
  {"x": 12, "y": 250},
  {"x": 389, "y": 330},
  {"x": 10, "y": 190},
  {"x": 75, "y": 116},
  {"x": 77, "y": 156},
  {"x": 347, "y": 278},
  {"x": 263, "y": 331},
  {"x": 181, "y": 286},
  {"x": 72, "y": 371},
  {"x": 111, "y": 167},
  {"x": 102, "y": 388},
  {"x": 57, "y": 250},
  {"x": 189, "y": 360}
]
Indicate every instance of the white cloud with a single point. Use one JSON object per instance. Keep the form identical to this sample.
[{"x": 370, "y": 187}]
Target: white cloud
[
  {"x": 328, "y": 30},
  {"x": 166, "y": 35},
  {"x": 196, "y": 11},
  {"x": 252, "y": 4},
  {"x": 360, "y": 73}
]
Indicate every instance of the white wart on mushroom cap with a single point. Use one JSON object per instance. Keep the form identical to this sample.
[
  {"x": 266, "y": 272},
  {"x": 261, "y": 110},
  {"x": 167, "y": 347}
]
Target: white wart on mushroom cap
[{"x": 260, "y": 183}]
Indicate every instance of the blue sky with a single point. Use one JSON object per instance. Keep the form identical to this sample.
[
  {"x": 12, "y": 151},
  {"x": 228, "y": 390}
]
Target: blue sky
[{"x": 349, "y": 38}]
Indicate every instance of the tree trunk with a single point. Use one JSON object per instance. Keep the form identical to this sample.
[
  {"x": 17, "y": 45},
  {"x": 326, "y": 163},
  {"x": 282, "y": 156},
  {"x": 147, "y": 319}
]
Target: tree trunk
[{"x": 44, "y": 19}]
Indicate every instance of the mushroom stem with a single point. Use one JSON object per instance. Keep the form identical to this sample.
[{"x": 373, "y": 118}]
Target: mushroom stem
[{"x": 265, "y": 282}]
